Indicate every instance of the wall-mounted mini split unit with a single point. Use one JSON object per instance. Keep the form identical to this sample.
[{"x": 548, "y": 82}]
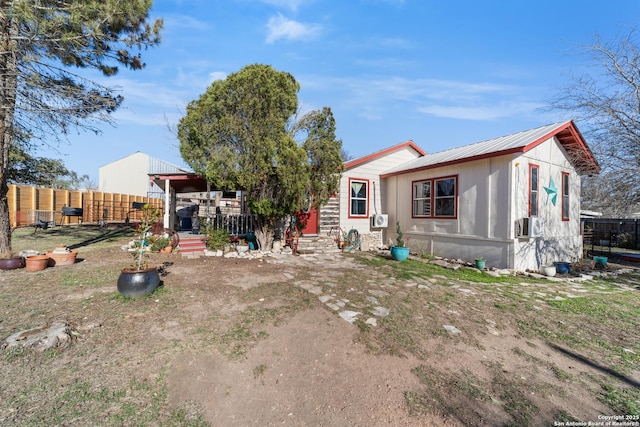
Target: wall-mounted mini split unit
[
  {"x": 529, "y": 227},
  {"x": 380, "y": 221}
]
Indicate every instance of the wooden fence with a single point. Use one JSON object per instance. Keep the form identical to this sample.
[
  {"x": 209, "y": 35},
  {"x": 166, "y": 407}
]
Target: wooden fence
[{"x": 29, "y": 205}]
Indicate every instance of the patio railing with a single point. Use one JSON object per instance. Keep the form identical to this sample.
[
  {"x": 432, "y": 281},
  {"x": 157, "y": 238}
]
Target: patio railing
[{"x": 237, "y": 225}]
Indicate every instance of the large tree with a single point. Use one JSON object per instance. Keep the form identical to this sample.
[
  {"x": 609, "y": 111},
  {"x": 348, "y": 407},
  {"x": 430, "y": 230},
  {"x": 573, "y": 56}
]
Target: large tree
[
  {"x": 243, "y": 133},
  {"x": 41, "y": 43},
  {"x": 606, "y": 98}
]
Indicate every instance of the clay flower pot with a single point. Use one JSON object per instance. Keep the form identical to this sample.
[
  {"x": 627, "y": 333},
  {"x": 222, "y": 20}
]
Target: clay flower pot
[
  {"x": 37, "y": 262},
  {"x": 62, "y": 257}
]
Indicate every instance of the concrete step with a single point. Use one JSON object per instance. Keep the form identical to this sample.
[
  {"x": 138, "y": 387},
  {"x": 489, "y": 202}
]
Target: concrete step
[{"x": 192, "y": 244}]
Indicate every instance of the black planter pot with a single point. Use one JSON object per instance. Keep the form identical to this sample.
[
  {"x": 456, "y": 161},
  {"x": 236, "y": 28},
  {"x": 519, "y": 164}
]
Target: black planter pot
[
  {"x": 138, "y": 283},
  {"x": 11, "y": 263}
]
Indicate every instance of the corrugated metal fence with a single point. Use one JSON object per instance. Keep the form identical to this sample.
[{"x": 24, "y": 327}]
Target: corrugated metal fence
[{"x": 29, "y": 205}]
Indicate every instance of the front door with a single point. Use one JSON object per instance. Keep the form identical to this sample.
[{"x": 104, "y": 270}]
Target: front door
[{"x": 311, "y": 227}]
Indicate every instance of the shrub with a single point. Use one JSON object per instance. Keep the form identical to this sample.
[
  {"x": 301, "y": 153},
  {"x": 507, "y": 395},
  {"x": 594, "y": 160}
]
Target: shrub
[{"x": 217, "y": 238}]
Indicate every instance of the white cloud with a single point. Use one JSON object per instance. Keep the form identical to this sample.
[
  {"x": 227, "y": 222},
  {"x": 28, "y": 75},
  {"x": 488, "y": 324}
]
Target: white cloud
[
  {"x": 280, "y": 27},
  {"x": 482, "y": 112},
  {"x": 287, "y": 4},
  {"x": 217, "y": 75},
  {"x": 376, "y": 98}
]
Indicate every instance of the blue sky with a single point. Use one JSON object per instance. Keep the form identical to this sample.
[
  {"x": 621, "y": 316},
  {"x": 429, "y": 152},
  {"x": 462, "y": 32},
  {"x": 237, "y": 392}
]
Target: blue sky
[{"x": 441, "y": 73}]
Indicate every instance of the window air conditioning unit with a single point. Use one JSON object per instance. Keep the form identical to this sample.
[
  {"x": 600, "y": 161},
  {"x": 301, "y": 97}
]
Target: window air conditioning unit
[
  {"x": 529, "y": 227},
  {"x": 380, "y": 221}
]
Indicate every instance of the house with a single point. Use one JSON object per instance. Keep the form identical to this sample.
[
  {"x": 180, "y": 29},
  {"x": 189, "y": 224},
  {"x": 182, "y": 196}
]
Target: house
[{"x": 513, "y": 200}]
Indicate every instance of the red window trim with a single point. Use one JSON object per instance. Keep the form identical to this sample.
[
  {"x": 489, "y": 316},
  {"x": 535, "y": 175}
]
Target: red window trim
[
  {"x": 532, "y": 166},
  {"x": 433, "y": 198},
  {"x": 367, "y": 205},
  {"x": 413, "y": 215},
  {"x": 565, "y": 174}
]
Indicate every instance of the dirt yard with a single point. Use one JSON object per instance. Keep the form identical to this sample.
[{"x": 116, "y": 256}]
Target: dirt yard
[{"x": 339, "y": 340}]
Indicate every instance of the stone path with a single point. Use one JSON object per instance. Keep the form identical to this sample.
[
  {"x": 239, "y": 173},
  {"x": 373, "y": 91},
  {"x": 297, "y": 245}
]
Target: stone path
[{"x": 323, "y": 286}]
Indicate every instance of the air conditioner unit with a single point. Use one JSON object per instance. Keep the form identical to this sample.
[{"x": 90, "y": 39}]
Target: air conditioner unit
[
  {"x": 529, "y": 227},
  {"x": 380, "y": 221}
]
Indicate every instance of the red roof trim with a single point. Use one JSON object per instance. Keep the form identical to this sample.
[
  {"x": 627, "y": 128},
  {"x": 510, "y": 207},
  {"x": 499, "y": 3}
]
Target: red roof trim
[
  {"x": 370, "y": 157},
  {"x": 175, "y": 176}
]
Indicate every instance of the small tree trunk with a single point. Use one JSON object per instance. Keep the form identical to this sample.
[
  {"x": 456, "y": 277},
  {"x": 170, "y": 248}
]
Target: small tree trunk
[{"x": 264, "y": 234}]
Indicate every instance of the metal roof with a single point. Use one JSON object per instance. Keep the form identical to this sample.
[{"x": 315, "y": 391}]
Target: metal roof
[{"x": 566, "y": 132}]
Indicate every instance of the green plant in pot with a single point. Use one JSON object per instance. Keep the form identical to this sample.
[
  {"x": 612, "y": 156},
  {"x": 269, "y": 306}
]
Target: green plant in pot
[
  {"x": 400, "y": 251},
  {"x": 159, "y": 244},
  {"x": 140, "y": 278}
]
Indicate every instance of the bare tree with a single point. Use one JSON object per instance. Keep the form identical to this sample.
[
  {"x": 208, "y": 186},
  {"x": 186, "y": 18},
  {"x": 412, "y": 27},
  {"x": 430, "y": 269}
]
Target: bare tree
[{"x": 606, "y": 99}]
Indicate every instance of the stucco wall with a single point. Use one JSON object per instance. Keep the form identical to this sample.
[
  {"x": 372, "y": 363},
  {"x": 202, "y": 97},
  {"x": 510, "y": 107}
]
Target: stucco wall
[
  {"x": 370, "y": 171},
  {"x": 492, "y": 195}
]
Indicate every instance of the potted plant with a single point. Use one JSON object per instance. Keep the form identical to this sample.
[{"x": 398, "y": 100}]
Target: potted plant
[
  {"x": 399, "y": 252},
  {"x": 161, "y": 244},
  {"x": 140, "y": 278},
  {"x": 480, "y": 263},
  {"x": 242, "y": 246}
]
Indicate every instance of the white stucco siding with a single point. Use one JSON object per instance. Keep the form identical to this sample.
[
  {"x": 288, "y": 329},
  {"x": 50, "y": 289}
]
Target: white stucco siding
[
  {"x": 560, "y": 239},
  {"x": 369, "y": 172},
  {"x": 492, "y": 194},
  {"x": 480, "y": 226}
]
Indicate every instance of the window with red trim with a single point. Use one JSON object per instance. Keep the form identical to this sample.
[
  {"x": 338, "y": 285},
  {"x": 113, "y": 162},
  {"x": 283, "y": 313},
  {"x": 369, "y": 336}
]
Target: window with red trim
[
  {"x": 358, "y": 198},
  {"x": 437, "y": 197},
  {"x": 534, "y": 174},
  {"x": 422, "y": 198},
  {"x": 565, "y": 196}
]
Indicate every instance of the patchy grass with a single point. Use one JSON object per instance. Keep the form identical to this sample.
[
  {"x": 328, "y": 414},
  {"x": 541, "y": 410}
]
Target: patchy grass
[
  {"x": 595, "y": 330},
  {"x": 513, "y": 360}
]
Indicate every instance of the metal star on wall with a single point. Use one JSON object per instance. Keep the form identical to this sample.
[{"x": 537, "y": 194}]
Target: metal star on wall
[{"x": 552, "y": 192}]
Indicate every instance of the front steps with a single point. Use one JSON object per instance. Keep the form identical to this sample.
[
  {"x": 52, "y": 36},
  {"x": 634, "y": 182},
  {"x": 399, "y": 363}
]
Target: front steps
[
  {"x": 317, "y": 245},
  {"x": 193, "y": 244}
]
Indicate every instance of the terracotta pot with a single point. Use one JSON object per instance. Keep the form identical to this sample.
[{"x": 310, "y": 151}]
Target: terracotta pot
[
  {"x": 11, "y": 263},
  {"x": 37, "y": 262},
  {"x": 62, "y": 258},
  {"x": 138, "y": 283},
  {"x": 166, "y": 250}
]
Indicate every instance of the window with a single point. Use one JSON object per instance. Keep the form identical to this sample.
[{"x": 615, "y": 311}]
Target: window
[
  {"x": 565, "y": 196},
  {"x": 422, "y": 198},
  {"x": 534, "y": 172},
  {"x": 435, "y": 198},
  {"x": 358, "y": 198},
  {"x": 445, "y": 197}
]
